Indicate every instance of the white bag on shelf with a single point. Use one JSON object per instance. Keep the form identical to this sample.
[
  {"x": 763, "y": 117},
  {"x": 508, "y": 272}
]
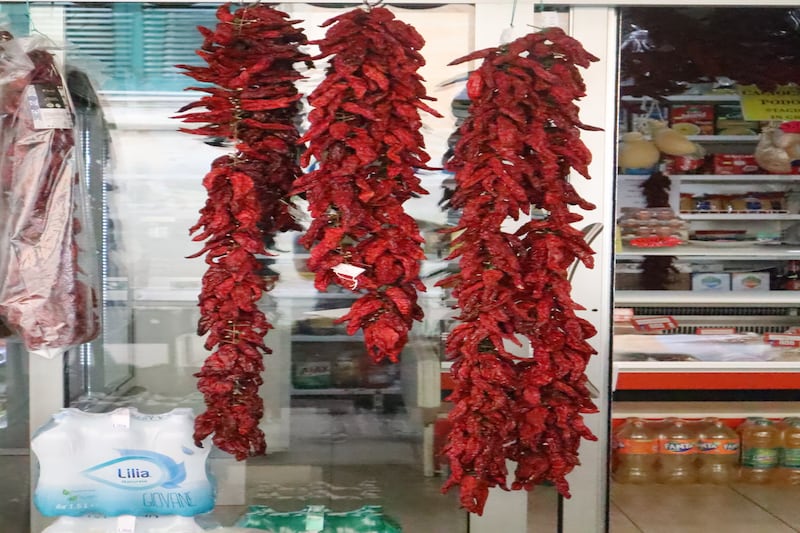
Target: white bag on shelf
[{"x": 91, "y": 524}]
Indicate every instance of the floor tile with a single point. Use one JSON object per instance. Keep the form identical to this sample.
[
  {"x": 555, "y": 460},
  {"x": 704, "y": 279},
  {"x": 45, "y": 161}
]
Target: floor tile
[
  {"x": 618, "y": 521},
  {"x": 14, "y": 496},
  {"x": 780, "y": 501},
  {"x": 542, "y": 510},
  {"x": 693, "y": 509}
]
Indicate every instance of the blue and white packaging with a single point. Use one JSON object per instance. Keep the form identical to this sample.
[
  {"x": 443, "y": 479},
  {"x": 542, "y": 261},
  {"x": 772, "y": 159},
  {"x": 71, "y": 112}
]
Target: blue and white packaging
[
  {"x": 121, "y": 463},
  {"x": 92, "y": 524}
]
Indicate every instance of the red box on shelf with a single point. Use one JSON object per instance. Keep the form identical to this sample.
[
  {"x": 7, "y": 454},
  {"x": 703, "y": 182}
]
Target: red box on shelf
[
  {"x": 700, "y": 115},
  {"x": 734, "y": 164}
]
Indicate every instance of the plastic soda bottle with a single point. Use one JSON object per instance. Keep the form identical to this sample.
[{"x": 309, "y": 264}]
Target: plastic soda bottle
[
  {"x": 636, "y": 452},
  {"x": 789, "y": 459},
  {"x": 760, "y": 450},
  {"x": 718, "y": 459},
  {"x": 677, "y": 453}
]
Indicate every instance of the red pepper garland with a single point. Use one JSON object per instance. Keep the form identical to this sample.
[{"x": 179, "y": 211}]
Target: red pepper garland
[
  {"x": 365, "y": 135},
  {"x": 516, "y": 150},
  {"x": 250, "y": 55}
]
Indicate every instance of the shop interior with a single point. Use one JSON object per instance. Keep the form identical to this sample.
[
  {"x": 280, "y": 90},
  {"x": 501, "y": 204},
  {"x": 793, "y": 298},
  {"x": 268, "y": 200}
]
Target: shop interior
[{"x": 697, "y": 241}]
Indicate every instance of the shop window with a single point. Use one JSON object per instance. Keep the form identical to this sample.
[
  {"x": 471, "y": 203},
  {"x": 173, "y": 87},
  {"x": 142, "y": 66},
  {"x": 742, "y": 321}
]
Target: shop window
[{"x": 136, "y": 45}]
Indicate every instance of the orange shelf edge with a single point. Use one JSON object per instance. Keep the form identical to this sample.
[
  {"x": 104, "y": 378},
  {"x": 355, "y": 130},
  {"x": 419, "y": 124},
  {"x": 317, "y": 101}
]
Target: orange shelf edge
[{"x": 708, "y": 381}]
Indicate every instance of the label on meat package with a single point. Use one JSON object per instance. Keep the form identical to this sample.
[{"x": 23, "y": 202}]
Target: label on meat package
[
  {"x": 654, "y": 323},
  {"x": 782, "y": 339},
  {"x": 715, "y": 331},
  {"x": 48, "y": 106}
]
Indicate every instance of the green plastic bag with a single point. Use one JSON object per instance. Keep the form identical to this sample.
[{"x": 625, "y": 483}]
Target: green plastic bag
[{"x": 318, "y": 519}]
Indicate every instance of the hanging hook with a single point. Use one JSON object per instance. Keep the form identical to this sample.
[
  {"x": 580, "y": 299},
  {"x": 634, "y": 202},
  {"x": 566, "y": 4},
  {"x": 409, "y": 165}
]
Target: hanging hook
[
  {"x": 513, "y": 13},
  {"x": 370, "y": 5}
]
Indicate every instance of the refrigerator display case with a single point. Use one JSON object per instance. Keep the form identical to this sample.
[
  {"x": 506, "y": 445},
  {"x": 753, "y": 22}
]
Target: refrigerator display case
[{"x": 715, "y": 315}]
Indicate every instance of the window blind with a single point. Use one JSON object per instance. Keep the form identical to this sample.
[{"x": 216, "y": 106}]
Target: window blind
[{"x": 137, "y": 45}]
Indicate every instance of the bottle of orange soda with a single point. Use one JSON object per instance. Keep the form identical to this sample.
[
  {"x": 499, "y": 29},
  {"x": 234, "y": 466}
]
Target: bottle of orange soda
[
  {"x": 677, "y": 454},
  {"x": 636, "y": 450},
  {"x": 718, "y": 459}
]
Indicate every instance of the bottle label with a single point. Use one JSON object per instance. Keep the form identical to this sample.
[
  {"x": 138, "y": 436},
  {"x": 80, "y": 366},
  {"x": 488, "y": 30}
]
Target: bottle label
[
  {"x": 678, "y": 446},
  {"x": 719, "y": 446},
  {"x": 790, "y": 458},
  {"x": 760, "y": 457},
  {"x": 637, "y": 446}
]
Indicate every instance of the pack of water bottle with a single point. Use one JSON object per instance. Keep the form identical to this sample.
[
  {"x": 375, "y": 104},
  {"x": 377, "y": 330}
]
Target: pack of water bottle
[
  {"x": 677, "y": 451},
  {"x": 121, "y": 471}
]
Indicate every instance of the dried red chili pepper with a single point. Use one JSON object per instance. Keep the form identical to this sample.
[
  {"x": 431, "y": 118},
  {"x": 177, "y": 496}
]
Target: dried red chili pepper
[
  {"x": 250, "y": 57},
  {"x": 515, "y": 151},
  {"x": 47, "y": 294},
  {"x": 365, "y": 134}
]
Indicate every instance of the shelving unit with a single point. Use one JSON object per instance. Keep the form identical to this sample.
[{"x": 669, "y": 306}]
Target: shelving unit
[
  {"x": 741, "y": 310},
  {"x": 355, "y": 391},
  {"x": 723, "y": 138},
  {"x": 697, "y": 250},
  {"x": 736, "y": 178},
  {"x": 699, "y": 215},
  {"x": 691, "y": 410},
  {"x": 708, "y": 298}
]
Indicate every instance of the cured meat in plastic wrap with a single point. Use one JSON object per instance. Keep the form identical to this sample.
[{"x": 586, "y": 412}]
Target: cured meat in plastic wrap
[{"x": 47, "y": 273}]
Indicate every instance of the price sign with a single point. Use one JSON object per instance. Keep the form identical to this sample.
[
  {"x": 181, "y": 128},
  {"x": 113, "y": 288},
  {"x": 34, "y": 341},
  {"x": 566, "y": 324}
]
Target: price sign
[
  {"x": 623, "y": 314},
  {"x": 715, "y": 331},
  {"x": 654, "y": 323},
  {"x": 783, "y": 339}
]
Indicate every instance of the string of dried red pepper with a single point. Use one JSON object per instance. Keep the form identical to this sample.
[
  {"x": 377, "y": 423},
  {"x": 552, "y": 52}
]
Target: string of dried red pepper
[
  {"x": 516, "y": 151},
  {"x": 253, "y": 101},
  {"x": 365, "y": 135}
]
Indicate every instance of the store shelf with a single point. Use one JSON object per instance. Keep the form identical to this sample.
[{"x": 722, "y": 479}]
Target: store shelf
[
  {"x": 708, "y": 298},
  {"x": 394, "y": 389},
  {"x": 723, "y": 138},
  {"x": 708, "y": 380},
  {"x": 747, "y": 178},
  {"x": 725, "y": 410},
  {"x": 706, "y": 366},
  {"x": 739, "y": 216},
  {"x": 683, "y": 98},
  {"x": 327, "y": 338},
  {"x": 744, "y": 253}
]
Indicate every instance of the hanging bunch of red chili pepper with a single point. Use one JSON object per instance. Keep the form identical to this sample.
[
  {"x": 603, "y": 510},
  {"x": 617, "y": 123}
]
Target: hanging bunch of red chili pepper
[
  {"x": 250, "y": 57},
  {"x": 516, "y": 150},
  {"x": 365, "y": 136}
]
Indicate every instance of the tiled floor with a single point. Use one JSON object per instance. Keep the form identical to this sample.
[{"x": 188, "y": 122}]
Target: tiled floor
[
  {"x": 416, "y": 502},
  {"x": 705, "y": 509},
  {"x": 351, "y": 459}
]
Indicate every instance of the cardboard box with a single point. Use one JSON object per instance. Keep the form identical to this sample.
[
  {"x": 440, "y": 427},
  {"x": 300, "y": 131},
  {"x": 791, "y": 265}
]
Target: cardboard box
[
  {"x": 734, "y": 164},
  {"x": 628, "y": 277},
  {"x": 750, "y": 281},
  {"x": 729, "y": 121},
  {"x": 700, "y": 115},
  {"x": 711, "y": 281}
]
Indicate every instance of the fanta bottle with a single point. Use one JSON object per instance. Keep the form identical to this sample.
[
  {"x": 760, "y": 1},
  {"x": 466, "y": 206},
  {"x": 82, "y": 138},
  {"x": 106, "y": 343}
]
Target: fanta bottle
[
  {"x": 760, "y": 450},
  {"x": 718, "y": 459},
  {"x": 677, "y": 453},
  {"x": 636, "y": 447}
]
